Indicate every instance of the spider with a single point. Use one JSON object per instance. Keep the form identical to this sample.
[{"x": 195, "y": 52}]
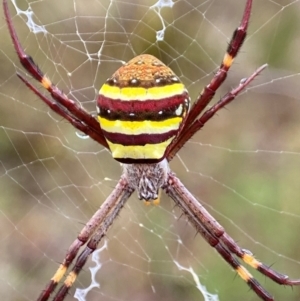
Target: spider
[{"x": 144, "y": 119}]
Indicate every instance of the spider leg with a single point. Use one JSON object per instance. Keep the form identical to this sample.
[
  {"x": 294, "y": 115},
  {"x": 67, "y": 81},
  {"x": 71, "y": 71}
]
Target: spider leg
[
  {"x": 60, "y": 110},
  {"x": 186, "y": 134},
  {"x": 69, "y": 109},
  {"x": 249, "y": 259},
  {"x": 216, "y": 236},
  {"x": 92, "y": 245},
  {"x": 100, "y": 222},
  {"x": 209, "y": 91},
  {"x": 234, "y": 46}
]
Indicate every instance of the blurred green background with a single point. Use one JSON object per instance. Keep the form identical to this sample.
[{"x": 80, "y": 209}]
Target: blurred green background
[{"x": 243, "y": 166}]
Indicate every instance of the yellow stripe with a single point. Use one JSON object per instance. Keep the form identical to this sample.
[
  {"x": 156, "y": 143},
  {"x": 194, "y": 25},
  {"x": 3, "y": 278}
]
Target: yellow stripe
[
  {"x": 59, "y": 273},
  {"x": 148, "y": 151},
  {"x": 140, "y": 93},
  {"x": 46, "y": 83},
  {"x": 251, "y": 261},
  {"x": 70, "y": 279},
  {"x": 227, "y": 60},
  {"x": 140, "y": 127},
  {"x": 243, "y": 273}
]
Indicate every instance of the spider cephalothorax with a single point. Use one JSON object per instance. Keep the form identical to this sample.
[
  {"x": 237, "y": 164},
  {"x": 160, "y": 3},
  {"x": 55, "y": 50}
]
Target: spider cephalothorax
[
  {"x": 144, "y": 121},
  {"x": 147, "y": 179}
]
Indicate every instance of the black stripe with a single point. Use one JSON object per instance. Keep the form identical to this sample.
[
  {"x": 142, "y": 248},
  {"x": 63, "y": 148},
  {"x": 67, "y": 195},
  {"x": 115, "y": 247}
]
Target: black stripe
[
  {"x": 141, "y": 139},
  {"x": 165, "y": 114}
]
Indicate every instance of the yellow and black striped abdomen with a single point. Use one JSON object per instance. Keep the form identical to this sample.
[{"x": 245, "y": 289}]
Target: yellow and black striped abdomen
[{"x": 141, "y": 109}]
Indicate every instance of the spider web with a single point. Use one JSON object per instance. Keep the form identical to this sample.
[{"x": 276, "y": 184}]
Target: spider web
[{"x": 244, "y": 166}]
